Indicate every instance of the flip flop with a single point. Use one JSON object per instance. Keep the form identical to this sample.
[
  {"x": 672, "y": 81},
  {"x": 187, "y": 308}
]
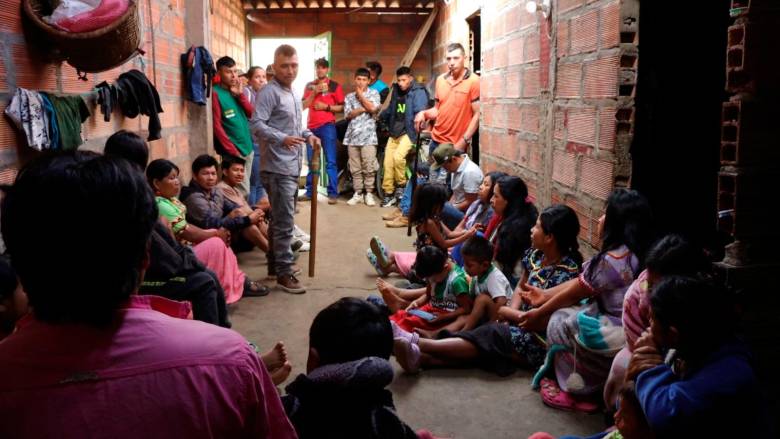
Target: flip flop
[
  {"x": 407, "y": 354},
  {"x": 380, "y": 251},
  {"x": 374, "y": 263},
  {"x": 553, "y": 396}
]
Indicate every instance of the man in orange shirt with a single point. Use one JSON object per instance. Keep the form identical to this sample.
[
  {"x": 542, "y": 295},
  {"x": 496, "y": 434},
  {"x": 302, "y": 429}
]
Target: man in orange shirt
[{"x": 456, "y": 112}]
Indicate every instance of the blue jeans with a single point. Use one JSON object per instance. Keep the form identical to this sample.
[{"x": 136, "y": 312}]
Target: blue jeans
[
  {"x": 281, "y": 191},
  {"x": 327, "y": 134},
  {"x": 451, "y": 216},
  {"x": 406, "y": 199},
  {"x": 256, "y": 189}
]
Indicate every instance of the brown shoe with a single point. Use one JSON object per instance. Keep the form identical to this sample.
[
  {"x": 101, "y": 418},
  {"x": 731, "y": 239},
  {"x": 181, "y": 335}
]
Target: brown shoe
[
  {"x": 289, "y": 284},
  {"x": 333, "y": 200},
  {"x": 296, "y": 271},
  {"x": 400, "y": 221},
  {"x": 395, "y": 213}
]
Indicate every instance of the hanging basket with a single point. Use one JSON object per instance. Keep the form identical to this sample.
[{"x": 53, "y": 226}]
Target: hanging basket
[{"x": 95, "y": 51}]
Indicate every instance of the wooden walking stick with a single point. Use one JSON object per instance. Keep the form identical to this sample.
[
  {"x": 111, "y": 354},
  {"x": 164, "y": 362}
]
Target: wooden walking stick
[
  {"x": 314, "y": 169},
  {"x": 413, "y": 181}
]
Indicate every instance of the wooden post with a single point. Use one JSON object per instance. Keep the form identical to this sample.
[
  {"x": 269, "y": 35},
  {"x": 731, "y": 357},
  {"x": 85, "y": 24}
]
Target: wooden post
[{"x": 314, "y": 169}]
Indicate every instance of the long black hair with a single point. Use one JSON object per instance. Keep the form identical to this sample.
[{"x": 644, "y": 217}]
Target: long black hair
[
  {"x": 159, "y": 169},
  {"x": 561, "y": 221},
  {"x": 514, "y": 234},
  {"x": 494, "y": 176},
  {"x": 427, "y": 198},
  {"x": 628, "y": 221}
]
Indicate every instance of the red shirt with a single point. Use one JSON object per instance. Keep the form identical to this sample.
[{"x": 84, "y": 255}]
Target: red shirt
[{"x": 335, "y": 96}]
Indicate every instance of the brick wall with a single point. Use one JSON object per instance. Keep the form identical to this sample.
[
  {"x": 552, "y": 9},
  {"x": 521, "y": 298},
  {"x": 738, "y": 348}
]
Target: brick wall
[
  {"x": 557, "y": 96},
  {"x": 356, "y": 38},
  {"x": 164, "y": 37},
  {"x": 227, "y": 22}
]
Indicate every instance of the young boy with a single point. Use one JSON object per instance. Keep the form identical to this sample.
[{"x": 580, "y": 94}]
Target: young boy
[
  {"x": 361, "y": 138},
  {"x": 343, "y": 394},
  {"x": 488, "y": 285},
  {"x": 13, "y": 301},
  {"x": 446, "y": 297}
]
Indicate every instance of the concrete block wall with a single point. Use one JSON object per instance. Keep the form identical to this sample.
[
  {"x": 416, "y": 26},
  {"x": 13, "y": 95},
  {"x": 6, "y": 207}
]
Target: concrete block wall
[
  {"x": 557, "y": 97},
  {"x": 356, "y": 38},
  {"x": 164, "y": 35}
]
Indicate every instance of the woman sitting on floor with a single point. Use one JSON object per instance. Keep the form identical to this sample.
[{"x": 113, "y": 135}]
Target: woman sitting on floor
[{"x": 479, "y": 212}]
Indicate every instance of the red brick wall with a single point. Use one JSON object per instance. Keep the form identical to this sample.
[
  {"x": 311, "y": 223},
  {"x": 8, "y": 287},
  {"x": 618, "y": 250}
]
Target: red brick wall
[
  {"x": 228, "y": 32},
  {"x": 557, "y": 97},
  {"x": 356, "y": 38}
]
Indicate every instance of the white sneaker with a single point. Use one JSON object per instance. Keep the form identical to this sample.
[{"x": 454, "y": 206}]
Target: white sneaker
[
  {"x": 356, "y": 199},
  {"x": 300, "y": 234},
  {"x": 370, "y": 200},
  {"x": 305, "y": 247}
]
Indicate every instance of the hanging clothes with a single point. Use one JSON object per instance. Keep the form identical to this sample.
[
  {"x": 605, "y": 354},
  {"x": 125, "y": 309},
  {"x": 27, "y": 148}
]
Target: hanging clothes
[
  {"x": 199, "y": 70},
  {"x": 51, "y": 116},
  {"x": 27, "y": 111},
  {"x": 136, "y": 95},
  {"x": 70, "y": 112}
]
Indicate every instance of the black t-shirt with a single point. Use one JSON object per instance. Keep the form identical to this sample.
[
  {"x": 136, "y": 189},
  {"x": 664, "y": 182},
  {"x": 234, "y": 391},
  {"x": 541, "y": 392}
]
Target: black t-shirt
[{"x": 398, "y": 127}]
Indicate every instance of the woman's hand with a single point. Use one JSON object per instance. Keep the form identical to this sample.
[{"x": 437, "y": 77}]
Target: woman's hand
[
  {"x": 532, "y": 320},
  {"x": 224, "y": 234},
  {"x": 643, "y": 358},
  {"x": 532, "y": 295},
  {"x": 256, "y": 216}
]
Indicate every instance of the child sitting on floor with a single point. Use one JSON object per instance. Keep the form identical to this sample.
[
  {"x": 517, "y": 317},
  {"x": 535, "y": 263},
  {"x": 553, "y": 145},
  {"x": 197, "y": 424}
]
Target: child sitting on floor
[
  {"x": 428, "y": 204},
  {"x": 445, "y": 298},
  {"x": 343, "y": 394},
  {"x": 13, "y": 301}
]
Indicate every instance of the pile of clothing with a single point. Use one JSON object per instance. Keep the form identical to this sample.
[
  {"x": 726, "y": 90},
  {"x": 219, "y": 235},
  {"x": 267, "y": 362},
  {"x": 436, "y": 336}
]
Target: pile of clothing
[
  {"x": 86, "y": 15},
  {"x": 200, "y": 71},
  {"x": 133, "y": 94},
  {"x": 48, "y": 121}
]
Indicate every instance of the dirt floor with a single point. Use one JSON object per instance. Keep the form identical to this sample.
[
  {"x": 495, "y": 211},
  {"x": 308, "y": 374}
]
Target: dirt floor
[{"x": 450, "y": 403}]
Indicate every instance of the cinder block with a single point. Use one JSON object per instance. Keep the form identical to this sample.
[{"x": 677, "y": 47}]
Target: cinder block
[
  {"x": 500, "y": 55},
  {"x": 596, "y": 178},
  {"x": 584, "y": 32},
  {"x": 531, "y": 82},
  {"x": 747, "y": 136},
  {"x": 607, "y": 128},
  {"x": 564, "y": 168},
  {"x": 581, "y": 125},
  {"x": 601, "y": 77},
  {"x": 531, "y": 51},
  {"x": 512, "y": 84},
  {"x": 568, "y": 80},
  {"x": 514, "y": 51},
  {"x": 10, "y": 17},
  {"x": 562, "y": 48},
  {"x": 609, "y": 18}
]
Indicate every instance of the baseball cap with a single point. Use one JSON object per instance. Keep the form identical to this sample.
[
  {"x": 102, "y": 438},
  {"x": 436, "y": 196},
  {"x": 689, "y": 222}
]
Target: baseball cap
[{"x": 442, "y": 153}]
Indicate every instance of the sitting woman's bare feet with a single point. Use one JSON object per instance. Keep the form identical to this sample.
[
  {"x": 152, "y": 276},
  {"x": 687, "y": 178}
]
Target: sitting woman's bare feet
[
  {"x": 389, "y": 294},
  {"x": 275, "y": 358},
  {"x": 281, "y": 373}
]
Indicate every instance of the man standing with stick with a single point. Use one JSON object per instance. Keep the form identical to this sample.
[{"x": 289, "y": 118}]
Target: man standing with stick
[{"x": 277, "y": 122}]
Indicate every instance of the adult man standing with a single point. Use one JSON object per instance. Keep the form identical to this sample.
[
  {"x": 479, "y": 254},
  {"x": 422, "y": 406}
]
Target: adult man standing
[
  {"x": 466, "y": 180},
  {"x": 232, "y": 111},
  {"x": 409, "y": 98},
  {"x": 456, "y": 112},
  {"x": 277, "y": 124},
  {"x": 323, "y": 97}
]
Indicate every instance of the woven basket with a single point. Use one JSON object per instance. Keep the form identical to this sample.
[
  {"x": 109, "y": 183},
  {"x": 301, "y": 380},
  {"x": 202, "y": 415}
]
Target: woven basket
[{"x": 95, "y": 51}]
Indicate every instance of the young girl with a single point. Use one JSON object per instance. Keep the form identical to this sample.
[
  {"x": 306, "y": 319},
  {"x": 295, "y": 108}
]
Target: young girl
[
  {"x": 429, "y": 199},
  {"x": 500, "y": 348},
  {"x": 209, "y": 245},
  {"x": 510, "y": 228},
  {"x": 480, "y": 211},
  {"x": 585, "y": 338}
]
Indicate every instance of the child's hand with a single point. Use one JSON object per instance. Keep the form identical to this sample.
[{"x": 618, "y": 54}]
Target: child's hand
[
  {"x": 643, "y": 358},
  {"x": 532, "y": 320},
  {"x": 412, "y": 305},
  {"x": 532, "y": 295}
]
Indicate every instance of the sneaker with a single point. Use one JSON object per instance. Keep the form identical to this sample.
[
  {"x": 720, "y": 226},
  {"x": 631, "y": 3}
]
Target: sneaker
[
  {"x": 392, "y": 215},
  {"x": 305, "y": 247},
  {"x": 400, "y": 221},
  {"x": 370, "y": 202},
  {"x": 304, "y": 197},
  {"x": 289, "y": 284},
  {"x": 296, "y": 245},
  {"x": 333, "y": 200},
  {"x": 296, "y": 270},
  {"x": 389, "y": 201},
  {"x": 300, "y": 234},
  {"x": 356, "y": 199},
  {"x": 255, "y": 289},
  {"x": 399, "y": 193},
  {"x": 380, "y": 251},
  {"x": 374, "y": 263}
]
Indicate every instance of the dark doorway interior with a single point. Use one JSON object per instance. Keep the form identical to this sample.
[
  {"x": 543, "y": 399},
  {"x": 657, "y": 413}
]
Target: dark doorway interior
[
  {"x": 681, "y": 80},
  {"x": 475, "y": 55}
]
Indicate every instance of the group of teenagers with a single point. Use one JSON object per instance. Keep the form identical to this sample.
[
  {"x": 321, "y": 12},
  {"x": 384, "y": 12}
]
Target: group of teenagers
[{"x": 642, "y": 329}]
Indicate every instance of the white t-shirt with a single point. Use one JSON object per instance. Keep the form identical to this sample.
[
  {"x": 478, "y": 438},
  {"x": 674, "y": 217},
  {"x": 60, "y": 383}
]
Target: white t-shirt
[
  {"x": 466, "y": 180},
  {"x": 493, "y": 283}
]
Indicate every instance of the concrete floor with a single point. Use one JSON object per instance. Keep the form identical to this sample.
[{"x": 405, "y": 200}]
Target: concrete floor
[{"x": 450, "y": 403}]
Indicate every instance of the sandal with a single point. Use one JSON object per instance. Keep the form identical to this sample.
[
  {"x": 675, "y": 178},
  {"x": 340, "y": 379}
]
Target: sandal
[
  {"x": 380, "y": 251},
  {"x": 255, "y": 289},
  {"x": 554, "y": 397},
  {"x": 374, "y": 263},
  {"x": 407, "y": 354}
]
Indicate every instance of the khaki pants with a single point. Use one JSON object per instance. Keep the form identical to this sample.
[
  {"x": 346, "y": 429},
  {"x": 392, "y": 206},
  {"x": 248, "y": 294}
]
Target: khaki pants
[
  {"x": 363, "y": 166},
  {"x": 395, "y": 163}
]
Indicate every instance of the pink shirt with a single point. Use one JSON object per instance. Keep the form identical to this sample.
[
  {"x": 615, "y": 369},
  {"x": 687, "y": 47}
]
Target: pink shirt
[{"x": 149, "y": 375}]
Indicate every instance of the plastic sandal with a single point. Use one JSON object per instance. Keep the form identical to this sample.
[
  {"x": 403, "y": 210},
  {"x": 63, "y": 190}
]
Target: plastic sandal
[
  {"x": 554, "y": 397},
  {"x": 380, "y": 251},
  {"x": 374, "y": 263}
]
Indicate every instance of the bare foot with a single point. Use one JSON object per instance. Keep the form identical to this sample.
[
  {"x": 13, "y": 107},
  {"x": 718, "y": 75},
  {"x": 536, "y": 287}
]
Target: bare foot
[
  {"x": 275, "y": 358},
  {"x": 281, "y": 373},
  {"x": 424, "y": 333},
  {"x": 389, "y": 294}
]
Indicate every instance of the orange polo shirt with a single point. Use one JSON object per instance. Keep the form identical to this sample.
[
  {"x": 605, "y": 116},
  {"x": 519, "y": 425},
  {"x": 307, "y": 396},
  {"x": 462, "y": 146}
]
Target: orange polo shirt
[{"x": 453, "y": 100}]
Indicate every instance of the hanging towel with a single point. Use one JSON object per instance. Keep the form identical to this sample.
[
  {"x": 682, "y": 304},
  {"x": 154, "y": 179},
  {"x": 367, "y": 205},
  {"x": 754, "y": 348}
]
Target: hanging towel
[
  {"x": 138, "y": 96},
  {"x": 86, "y": 15},
  {"x": 26, "y": 110},
  {"x": 70, "y": 112},
  {"x": 199, "y": 70},
  {"x": 51, "y": 116}
]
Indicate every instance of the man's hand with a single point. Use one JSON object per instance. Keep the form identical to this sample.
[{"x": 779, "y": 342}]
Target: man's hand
[
  {"x": 320, "y": 106},
  {"x": 293, "y": 142},
  {"x": 355, "y": 113},
  {"x": 359, "y": 93},
  {"x": 314, "y": 141},
  {"x": 532, "y": 320},
  {"x": 419, "y": 120},
  {"x": 322, "y": 87},
  {"x": 235, "y": 89}
]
